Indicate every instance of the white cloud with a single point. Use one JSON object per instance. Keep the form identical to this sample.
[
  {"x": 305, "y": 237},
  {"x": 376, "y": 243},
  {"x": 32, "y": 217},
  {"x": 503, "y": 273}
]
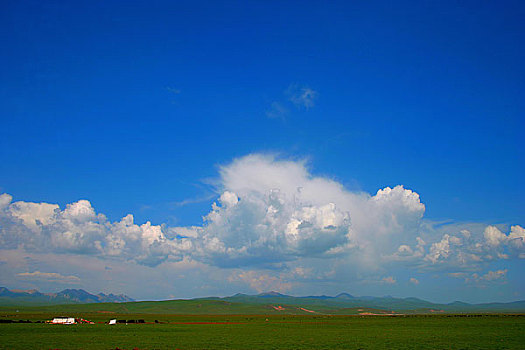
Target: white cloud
[
  {"x": 493, "y": 236},
  {"x": 498, "y": 276},
  {"x": 269, "y": 214},
  {"x": 453, "y": 246},
  {"x": 5, "y": 200},
  {"x": 466, "y": 233},
  {"x": 517, "y": 237},
  {"x": 34, "y": 215},
  {"x": 277, "y": 110},
  {"x": 49, "y": 277},
  {"x": 78, "y": 229},
  {"x": 260, "y": 281},
  {"x": 284, "y": 213},
  {"x": 297, "y": 97},
  {"x": 439, "y": 250},
  {"x": 495, "y": 275},
  {"x": 405, "y": 250},
  {"x": 302, "y": 96}
]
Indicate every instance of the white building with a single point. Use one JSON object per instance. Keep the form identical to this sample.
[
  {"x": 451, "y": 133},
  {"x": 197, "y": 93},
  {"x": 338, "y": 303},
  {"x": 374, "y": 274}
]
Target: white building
[{"x": 63, "y": 320}]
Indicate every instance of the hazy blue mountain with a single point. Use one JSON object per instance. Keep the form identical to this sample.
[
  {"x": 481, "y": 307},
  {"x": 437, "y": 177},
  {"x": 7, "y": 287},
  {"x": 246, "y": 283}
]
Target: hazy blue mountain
[
  {"x": 67, "y": 296},
  {"x": 272, "y": 295},
  {"x": 344, "y": 296},
  {"x": 345, "y": 300}
]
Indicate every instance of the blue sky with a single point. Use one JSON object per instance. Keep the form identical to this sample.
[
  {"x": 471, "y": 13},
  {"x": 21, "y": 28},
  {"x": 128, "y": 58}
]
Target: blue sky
[{"x": 149, "y": 108}]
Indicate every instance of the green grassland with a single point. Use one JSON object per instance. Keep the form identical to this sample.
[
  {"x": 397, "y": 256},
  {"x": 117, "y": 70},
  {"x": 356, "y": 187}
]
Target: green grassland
[
  {"x": 221, "y": 324},
  {"x": 193, "y": 307},
  {"x": 226, "y": 307},
  {"x": 266, "y": 332}
]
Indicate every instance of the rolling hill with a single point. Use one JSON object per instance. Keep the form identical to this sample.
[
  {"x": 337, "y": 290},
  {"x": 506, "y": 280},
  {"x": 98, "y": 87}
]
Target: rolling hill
[{"x": 78, "y": 300}]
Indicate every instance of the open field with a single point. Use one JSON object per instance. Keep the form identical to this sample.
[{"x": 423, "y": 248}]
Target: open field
[
  {"x": 267, "y": 332},
  {"x": 197, "y": 307}
]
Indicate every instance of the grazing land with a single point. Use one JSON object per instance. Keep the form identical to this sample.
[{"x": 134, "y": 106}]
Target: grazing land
[{"x": 165, "y": 331}]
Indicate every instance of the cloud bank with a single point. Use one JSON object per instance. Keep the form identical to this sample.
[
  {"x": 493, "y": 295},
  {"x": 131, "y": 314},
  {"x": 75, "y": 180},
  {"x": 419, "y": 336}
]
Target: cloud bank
[{"x": 273, "y": 214}]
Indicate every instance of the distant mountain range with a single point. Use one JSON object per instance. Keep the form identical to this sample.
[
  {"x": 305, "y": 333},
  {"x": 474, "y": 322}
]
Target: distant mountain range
[
  {"x": 264, "y": 303},
  {"x": 67, "y": 296},
  {"x": 342, "y": 301}
]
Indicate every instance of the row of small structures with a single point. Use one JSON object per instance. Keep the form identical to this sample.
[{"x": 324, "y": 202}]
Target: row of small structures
[
  {"x": 72, "y": 320},
  {"x": 69, "y": 320},
  {"x": 114, "y": 321}
]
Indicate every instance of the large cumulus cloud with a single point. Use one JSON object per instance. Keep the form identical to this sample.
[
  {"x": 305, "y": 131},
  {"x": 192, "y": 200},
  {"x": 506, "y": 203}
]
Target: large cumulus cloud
[
  {"x": 281, "y": 203},
  {"x": 268, "y": 212}
]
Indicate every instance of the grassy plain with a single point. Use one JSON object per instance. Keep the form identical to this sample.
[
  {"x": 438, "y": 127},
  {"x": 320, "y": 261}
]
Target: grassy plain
[{"x": 268, "y": 332}]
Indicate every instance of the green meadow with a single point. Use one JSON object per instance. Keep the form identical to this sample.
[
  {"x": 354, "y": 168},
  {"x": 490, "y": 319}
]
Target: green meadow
[{"x": 266, "y": 332}]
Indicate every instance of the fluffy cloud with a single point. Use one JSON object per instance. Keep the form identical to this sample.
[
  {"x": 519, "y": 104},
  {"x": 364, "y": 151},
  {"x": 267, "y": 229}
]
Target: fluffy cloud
[
  {"x": 43, "y": 227},
  {"x": 495, "y": 275},
  {"x": 275, "y": 210},
  {"x": 498, "y": 276},
  {"x": 494, "y": 237},
  {"x": 269, "y": 227},
  {"x": 469, "y": 247},
  {"x": 269, "y": 214}
]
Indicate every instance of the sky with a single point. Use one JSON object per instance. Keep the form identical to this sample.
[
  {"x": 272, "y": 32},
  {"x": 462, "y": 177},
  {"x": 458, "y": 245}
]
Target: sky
[{"x": 179, "y": 149}]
